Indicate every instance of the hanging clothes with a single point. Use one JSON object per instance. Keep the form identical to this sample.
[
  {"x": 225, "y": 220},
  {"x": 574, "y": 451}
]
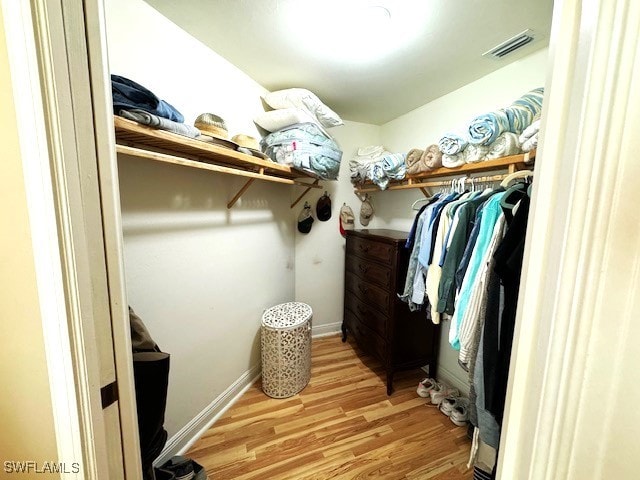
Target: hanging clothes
[{"x": 489, "y": 215}]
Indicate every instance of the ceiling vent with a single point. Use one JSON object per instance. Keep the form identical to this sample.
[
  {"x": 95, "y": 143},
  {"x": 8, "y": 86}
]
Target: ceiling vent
[{"x": 510, "y": 45}]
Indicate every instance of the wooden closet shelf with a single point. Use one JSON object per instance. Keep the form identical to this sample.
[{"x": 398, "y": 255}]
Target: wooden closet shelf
[
  {"x": 512, "y": 164},
  {"x": 141, "y": 141}
]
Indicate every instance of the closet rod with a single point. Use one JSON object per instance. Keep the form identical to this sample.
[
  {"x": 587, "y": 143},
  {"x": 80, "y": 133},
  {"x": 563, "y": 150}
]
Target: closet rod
[{"x": 423, "y": 185}]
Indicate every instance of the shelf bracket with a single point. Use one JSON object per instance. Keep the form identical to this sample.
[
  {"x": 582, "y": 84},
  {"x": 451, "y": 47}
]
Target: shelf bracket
[
  {"x": 240, "y": 192},
  {"x": 424, "y": 191},
  {"x": 306, "y": 190}
]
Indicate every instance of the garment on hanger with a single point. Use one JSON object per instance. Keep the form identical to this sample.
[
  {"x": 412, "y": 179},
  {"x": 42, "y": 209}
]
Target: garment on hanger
[
  {"x": 508, "y": 266},
  {"x": 464, "y": 224},
  {"x": 419, "y": 281},
  {"x": 437, "y": 253},
  {"x": 488, "y": 217}
]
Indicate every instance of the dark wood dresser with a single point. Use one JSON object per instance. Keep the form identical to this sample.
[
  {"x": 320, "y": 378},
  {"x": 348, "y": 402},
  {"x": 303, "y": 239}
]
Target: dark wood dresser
[{"x": 382, "y": 325}]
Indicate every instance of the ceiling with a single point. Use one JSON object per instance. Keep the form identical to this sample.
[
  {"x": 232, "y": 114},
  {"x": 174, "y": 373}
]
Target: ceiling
[{"x": 426, "y": 48}]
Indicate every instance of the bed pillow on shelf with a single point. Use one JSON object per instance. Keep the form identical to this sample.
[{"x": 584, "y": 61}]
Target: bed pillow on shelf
[
  {"x": 275, "y": 120},
  {"x": 305, "y": 100}
]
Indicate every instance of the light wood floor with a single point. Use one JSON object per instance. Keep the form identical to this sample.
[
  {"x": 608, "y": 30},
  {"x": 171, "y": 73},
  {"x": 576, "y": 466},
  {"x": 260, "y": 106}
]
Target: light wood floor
[{"x": 341, "y": 426}]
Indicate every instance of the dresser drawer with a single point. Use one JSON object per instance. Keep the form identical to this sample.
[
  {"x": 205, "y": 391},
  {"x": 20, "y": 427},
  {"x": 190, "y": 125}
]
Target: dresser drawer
[
  {"x": 367, "y": 315},
  {"x": 369, "y": 271},
  {"x": 381, "y": 252},
  {"x": 367, "y": 339},
  {"x": 367, "y": 293}
]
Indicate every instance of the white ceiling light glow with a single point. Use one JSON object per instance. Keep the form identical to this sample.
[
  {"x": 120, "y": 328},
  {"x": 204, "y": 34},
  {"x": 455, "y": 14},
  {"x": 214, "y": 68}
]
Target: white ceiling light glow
[{"x": 354, "y": 31}]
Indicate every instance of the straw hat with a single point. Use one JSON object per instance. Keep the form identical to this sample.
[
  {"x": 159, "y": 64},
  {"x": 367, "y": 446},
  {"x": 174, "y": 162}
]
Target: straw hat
[
  {"x": 212, "y": 125},
  {"x": 250, "y": 143}
]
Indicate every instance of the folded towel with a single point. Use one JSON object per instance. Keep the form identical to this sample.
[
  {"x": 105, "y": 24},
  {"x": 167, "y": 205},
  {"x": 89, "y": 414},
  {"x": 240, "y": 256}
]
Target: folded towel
[
  {"x": 394, "y": 166},
  {"x": 530, "y": 143},
  {"x": 432, "y": 157},
  {"x": 360, "y": 164},
  {"x": 161, "y": 123},
  {"x": 453, "y": 161},
  {"x": 452, "y": 143},
  {"x": 505, "y": 145},
  {"x": 530, "y": 131},
  {"x": 475, "y": 153},
  {"x": 413, "y": 161}
]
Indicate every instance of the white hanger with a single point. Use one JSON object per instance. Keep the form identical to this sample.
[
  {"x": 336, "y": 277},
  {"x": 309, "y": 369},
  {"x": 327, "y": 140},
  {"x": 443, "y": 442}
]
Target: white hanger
[{"x": 514, "y": 176}]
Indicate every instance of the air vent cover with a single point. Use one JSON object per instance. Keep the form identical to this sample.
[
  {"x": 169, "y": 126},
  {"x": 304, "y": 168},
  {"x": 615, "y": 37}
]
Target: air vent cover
[{"x": 510, "y": 45}]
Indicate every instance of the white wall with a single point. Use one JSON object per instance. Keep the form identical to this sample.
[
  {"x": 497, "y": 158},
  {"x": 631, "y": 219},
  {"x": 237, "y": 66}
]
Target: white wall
[
  {"x": 320, "y": 253},
  {"x": 198, "y": 274},
  {"x": 424, "y": 126}
]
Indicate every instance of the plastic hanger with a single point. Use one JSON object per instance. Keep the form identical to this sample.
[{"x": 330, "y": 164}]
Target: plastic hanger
[{"x": 514, "y": 176}]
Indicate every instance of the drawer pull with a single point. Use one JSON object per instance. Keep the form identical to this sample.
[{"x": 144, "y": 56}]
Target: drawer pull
[
  {"x": 363, "y": 268},
  {"x": 364, "y": 248},
  {"x": 364, "y": 290}
]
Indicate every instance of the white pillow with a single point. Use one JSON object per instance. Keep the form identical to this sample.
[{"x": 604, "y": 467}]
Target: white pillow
[
  {"x": 305, "y": 100},
  {"x": 275, "y": 120}
]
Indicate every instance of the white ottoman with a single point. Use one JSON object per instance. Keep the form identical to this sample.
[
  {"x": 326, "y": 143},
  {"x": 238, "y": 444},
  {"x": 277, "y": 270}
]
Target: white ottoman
[{"x": 286, "y": 349}]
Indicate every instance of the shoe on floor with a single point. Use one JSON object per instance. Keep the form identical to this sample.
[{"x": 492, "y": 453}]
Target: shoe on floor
[
  {"x": 425, "y": 386},
  {"x": 460, "y": 413},
  {"x": 438, "y": 395},
  {"x": 448, "y": 404}
]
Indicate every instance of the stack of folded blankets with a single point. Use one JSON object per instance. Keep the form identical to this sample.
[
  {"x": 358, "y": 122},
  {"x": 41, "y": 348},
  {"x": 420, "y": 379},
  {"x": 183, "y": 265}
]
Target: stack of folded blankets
[
  {"x": 375, "y": 163},
  {"x": 294, "y": 132},
  {"x": 134, "y": 102},
  {"x": 494, "y": 134}
]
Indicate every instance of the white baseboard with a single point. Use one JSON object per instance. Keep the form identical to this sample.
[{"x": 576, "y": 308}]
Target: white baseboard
[
  {"x": 326, "y": 330},
  {"x": 453, "y": 380},
  {"x": 182, "y": 441}
]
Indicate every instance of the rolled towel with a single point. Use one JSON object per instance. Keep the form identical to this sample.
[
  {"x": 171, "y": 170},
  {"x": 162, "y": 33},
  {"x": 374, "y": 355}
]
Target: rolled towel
[
  {"x": 475, "y": 153},
  {"x": 432, "y": 157},
  {"x": 505, "y": 145},
  {"x": 414, "y": 164},
  {"x": 530, "y": 144},
  {"x": 145, "y": 118},
  {"x": 529, "y": 132},
  {"x": 485, "y": 129},
  {"x": 453, "y": 161},
  {"x": 452, "y": 143},
  {"x": 394, "y": 166}
]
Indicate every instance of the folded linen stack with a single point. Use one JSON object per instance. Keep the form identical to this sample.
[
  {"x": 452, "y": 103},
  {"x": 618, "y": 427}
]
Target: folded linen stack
[
  {"x": 529, "y": 137},
  {"x": 375, "y": 163},
  {"x": 294, "y": 131},
  {"x": 135, "y": 102},
  {"x": 360, "y": 164}
]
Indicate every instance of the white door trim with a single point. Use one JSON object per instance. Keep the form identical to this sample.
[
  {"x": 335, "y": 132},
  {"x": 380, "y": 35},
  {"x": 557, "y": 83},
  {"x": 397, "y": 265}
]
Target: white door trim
[
  {"x": 45, "y": 41},
  {"x": 25, "y": 77},
  {"x": 580, "y": 276}
]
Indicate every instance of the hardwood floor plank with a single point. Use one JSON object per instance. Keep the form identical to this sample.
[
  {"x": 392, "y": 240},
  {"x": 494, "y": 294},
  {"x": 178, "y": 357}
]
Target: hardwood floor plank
[{"x": 341, "y": 426}]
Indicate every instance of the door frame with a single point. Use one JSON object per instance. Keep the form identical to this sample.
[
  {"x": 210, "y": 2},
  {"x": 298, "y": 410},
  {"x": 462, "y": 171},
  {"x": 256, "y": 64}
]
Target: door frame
[
  {"x": 57, "y": 56},
  {"x": 553, "y": 332}
]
